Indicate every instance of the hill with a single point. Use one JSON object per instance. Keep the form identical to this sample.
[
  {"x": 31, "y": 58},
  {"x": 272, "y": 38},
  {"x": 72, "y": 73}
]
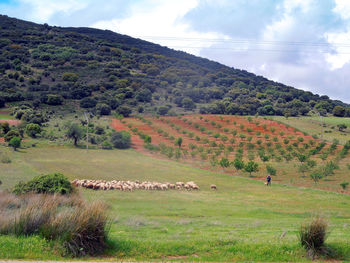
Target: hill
[{"x": 104, "y": 72}]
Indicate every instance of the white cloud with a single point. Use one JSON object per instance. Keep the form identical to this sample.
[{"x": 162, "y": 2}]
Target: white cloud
[
  {"x": 342, "y": 8},
  {"x": 42, "y": 10},
  {"x": 342, "y": 50},
  {"x": 160, "y": 22},
  {"x": 339, "y": 40}
]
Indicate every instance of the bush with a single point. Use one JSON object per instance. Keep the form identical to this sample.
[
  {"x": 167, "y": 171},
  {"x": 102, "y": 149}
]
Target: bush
[
  {"x": 106, "y": 145},
  {"x": 49, "y": 184},
  {"x": 88, "y": 103},
  {"x": 33, "y": 129},
  {"x": 121, "y": 140},
  {"x": 81, "y": 228},
  {"x": 11, "y": 134},
  {"x": 103, "y": 109},
  {"x": 54, "y": 100},
  {"x": 313, "y": 235}
]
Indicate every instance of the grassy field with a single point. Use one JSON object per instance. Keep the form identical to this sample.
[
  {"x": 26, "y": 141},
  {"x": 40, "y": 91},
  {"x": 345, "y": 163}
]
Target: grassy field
[
  {"x": 325, "y": 127},
  {"x": 242, "y": 221}
]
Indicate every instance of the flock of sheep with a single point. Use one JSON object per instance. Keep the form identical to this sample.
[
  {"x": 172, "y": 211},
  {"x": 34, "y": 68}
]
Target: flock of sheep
[{"x": 131, "y": 186}]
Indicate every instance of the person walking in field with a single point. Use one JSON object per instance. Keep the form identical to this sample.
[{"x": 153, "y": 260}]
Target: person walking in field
[{"x": 268, "y": 180}]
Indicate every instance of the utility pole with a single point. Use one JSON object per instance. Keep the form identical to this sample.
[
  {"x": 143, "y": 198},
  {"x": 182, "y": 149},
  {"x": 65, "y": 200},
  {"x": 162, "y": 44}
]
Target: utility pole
[{"x": 87, "y": 130}]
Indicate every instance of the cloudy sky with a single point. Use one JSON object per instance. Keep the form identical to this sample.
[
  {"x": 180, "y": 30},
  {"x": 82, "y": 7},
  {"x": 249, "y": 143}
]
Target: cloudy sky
[{"x": 302, "y": 43}]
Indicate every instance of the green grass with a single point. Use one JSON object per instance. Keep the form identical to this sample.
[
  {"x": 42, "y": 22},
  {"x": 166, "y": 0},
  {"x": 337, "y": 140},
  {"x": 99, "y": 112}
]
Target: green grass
[
  {"x": 242, "y": 221},
  {"x": 6, "y": 117},
  {"x": 314, "y": 126},
  {"x": 28, "y": 248}
]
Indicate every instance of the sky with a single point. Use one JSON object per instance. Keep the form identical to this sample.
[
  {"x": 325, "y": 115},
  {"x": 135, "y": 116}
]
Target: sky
[{"x": 301, "y": 43}]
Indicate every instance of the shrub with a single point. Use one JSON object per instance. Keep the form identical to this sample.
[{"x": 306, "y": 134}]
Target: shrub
[
  {"x": 271, "y": 170},
  {"x": 11, "y": 134},
  {"x": 103, "y": 109},
  {"x": 88, "y": 102},
  {"x": 106, "y": 145},
  {"x": 313, "y": 235},
  {"x": 54, "y": 99},
  {"x": 45, "y": 184},
  {"x": 33, "y": 129},
  {"x": 81, "y": 228},
  {"x": 121, "y": 140}
]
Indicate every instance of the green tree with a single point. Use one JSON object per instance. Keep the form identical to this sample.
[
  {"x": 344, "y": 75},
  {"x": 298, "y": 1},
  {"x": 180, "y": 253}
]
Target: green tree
[
  {"x": 33, "y": 129},
  {"x": 303, "y": 168},
  {"x": 178, "y": 142},
  {"x": 238, "y": 164},
  {"x": 15, "y": 142},
  {"x": 251, "y": 167},
  {"x": 5, "y": 127},
  {"x": 271, "y": 170},
  {"x": 344, "y": 185},
  {"x": 224, "y": 162},
  {"x": 121, "y": 140},
  {"x": 316, "y": 176},
  {"x": 75, "y": 132},
  {"x": 339, "y": 111}
]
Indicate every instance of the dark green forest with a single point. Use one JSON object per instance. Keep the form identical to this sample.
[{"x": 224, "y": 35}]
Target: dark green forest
[{"x": 105, "y": 72}]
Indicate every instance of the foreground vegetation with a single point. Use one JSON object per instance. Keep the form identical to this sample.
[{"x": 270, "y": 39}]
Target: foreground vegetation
[{"x": 243, "y": 220}]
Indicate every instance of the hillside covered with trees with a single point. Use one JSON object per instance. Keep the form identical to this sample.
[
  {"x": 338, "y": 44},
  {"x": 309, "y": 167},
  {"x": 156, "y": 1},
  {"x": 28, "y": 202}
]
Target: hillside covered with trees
[{"x": 106, "y": 72}]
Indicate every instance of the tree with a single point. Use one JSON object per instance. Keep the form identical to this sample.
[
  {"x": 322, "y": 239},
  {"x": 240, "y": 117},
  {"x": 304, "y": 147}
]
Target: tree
[
  {"x": 178, "y": 142},
  {"x": 162, "y": 110},
  {"x": 88, "y": 102},
  {"x": 339, "y": 111},
  {"x": 54, "y": 99},
  {"x": 5, "y": 126},
  {"x": 188, "y": 104},
  {"x": 15, "y": 142},
  {"x": 33, "y": 129},
  {"x": 316, "y": 176},
  {"x": 103, "y": 109},
  {"x": 124, "y": 110},
  {"x": 238, "y": 164},
  {"x": 75, "y": 132},
  {"x": 271, "y": 170},
  {"x": 344, "y": 185},
  {"x": 121, "y": 140},
  {"x": 251, "y": 167},
  {"x": 303, "y": 168},
  {"x": 224, "y": 163},
  {"x": 342, "y": 126}
]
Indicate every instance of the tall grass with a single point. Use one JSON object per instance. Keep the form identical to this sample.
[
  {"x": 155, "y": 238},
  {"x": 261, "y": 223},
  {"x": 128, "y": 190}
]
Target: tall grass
[
  {"x": 313, "y": 235},
  {"x": 80, "y": 227}
]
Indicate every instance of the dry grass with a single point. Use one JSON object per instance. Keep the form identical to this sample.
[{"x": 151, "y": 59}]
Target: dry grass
[
  {"x": 313, "y": 236},
  {"x": 80, "y": 227}
]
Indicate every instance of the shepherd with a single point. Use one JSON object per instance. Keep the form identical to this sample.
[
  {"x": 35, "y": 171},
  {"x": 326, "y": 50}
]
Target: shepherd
[{"x": 268, "y": 180}]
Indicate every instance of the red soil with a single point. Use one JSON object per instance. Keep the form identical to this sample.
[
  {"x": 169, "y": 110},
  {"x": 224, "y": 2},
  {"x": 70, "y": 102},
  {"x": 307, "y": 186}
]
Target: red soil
[{"x": 11, "y": 122}]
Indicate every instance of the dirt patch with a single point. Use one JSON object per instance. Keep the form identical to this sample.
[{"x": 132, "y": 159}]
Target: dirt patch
[{"x": 11, "y": 122}]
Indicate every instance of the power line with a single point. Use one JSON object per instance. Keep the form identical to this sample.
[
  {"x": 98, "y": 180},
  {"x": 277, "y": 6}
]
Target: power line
[{"x": 246, "y": 41}]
